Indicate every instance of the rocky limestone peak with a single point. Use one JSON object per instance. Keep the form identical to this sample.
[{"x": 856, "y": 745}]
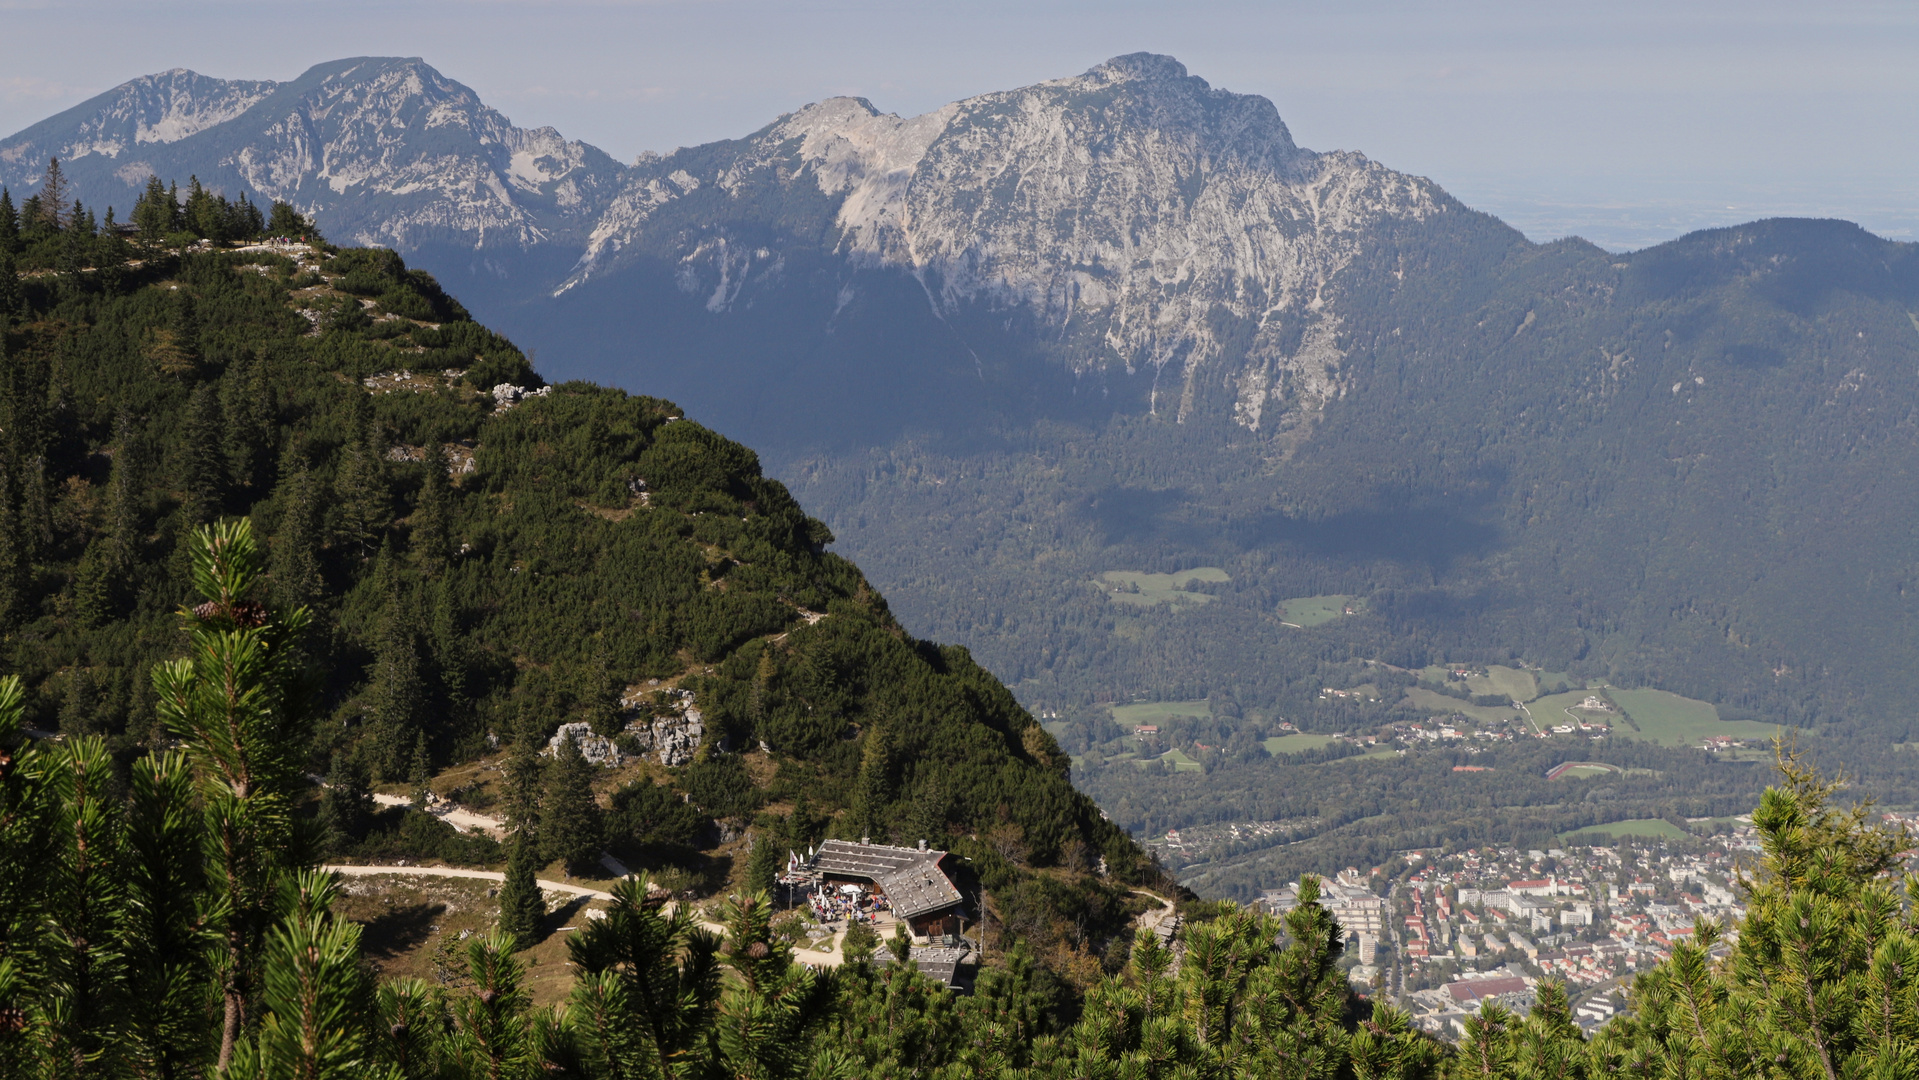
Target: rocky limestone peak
[
  {"x": 1141, "y": 66},
  {"x": 1133, "y": 206},
  {"x": 138, "y": 114}
]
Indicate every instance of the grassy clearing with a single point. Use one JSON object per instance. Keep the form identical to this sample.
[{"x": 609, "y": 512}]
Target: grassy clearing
[
  {"x": 1313, "y": 610},
  {"x": 1672, "y": 720},
  {"x": 1643, "y": 827},
  {"x": 1436, "y": 702},
  {"x": 1152, "y": 712},
  {"x": 1564, "y": 709},
  {"x": 1178, "y": 759},
  {"x": 1516, "y": 683},
  {"x": 412, "y": 927},
  {"x": 1135, "y": 588},
  {"x": 1294, "y": 743}
]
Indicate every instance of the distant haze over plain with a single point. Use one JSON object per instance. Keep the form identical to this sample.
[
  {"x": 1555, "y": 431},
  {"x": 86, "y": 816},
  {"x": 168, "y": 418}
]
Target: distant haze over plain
[{"x": 1626, "y": 123}]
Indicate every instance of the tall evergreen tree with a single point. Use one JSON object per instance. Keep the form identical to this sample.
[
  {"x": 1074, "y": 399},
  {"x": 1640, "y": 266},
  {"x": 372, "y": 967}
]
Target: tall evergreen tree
[
  {"x": 873, "y": 789},
  {"x": 431, "y": 537},
  {"x": 107, "y": 571},
  {"x": 361, "y": 492},
  {"x": 53, "y": 195},
  {"x": 522, "y": 908},
  {"x": 246, "y": 406},
  {"x": 9, "y": 224},
  {"x": 397, "y": 693},
  {"x": 346, "y": 806},
  {"x": 571, "y": 823},
  {"x": 298, "y": 578},
  {"x": 202, "y": 471}
]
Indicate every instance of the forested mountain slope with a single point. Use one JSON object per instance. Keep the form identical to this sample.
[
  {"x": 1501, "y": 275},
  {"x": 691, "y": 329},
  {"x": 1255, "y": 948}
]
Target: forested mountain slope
[{"x": 486, "y": 558}]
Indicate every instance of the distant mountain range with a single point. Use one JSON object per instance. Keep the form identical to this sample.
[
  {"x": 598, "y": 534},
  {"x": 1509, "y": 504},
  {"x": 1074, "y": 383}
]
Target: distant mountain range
[{"x": 1120, "y": 321}]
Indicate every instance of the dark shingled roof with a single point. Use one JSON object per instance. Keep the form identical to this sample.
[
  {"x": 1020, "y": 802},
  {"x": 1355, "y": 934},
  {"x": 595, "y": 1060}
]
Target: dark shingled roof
[
  {"x": 952, "y": 967},
  {"x": 912, "y": 879}
]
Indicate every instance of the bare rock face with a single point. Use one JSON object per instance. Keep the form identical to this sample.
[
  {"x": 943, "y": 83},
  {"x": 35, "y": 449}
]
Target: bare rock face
[
  {"x": 596, "y": 749},
  {"x": 1161, "y": 225},
  {"x": 672, "y": 739},
  {"x": 383, "y": 150}
]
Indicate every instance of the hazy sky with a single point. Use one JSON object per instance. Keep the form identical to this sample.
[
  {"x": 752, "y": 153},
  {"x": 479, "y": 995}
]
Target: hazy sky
[{"x": 1625, "y": 122}]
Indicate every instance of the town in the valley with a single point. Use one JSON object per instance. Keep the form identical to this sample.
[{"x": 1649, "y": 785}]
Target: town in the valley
[{"x": 1454, "y": 930}]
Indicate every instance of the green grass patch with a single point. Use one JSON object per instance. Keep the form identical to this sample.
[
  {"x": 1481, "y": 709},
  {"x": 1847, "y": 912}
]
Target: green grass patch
[
  {"x": 1313, "y": 610},
  {"x": 1671, "y": 720},
  {"x": 1515, "y": 683},
  {"x": 1643, "y": 827},
  {"x": 1554, "y": 709},
  {"x": 1135, "y": 588},
  {"x": 1180, "y": 761},
  {"x": 1435, "y": 702},
  {"x": 1296, "y": 742},
  {"x": 1152, "y": 712}
]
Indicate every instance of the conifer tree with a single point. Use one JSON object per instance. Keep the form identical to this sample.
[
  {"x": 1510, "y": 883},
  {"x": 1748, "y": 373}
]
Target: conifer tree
[
  {"x": 106, "y": 579},
  {"x": 397, "y": 693},
  {"x": 238, "y": 703},
  {"x": 571, "y": 826},
  {"x": 346, "y": 806},
  {"x": 246, "y": 406},
  {"x": 360, "y": 490},
  {"x": 15, "y": 566},
  {"x": 522, "y": 908},
  {"x": 9, "y": 287},
  {"x": 9, "y": 224},
  {"x": 298, "y": 579},
  {"x": 53, "y": 195},
  {"x": 873, "y": 789},
  {"x": 202, "y": 474},
  {"x": 313, "y": 993},
  {"x": 649, "y": 981},
  {"x": 165, "y": 1025},
  {"x": 431, "y": 537},
  {"x": 763, "y": 864}
]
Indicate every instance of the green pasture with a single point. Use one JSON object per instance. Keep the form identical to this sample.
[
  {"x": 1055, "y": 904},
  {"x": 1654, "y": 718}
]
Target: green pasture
[
  {"x": 1313, "y": 610},
  {"x": 1181, "y": 762},
  {"x": 1296, "y": 742},
  {"x": 1644, "y": 827},
  {"x": 1515, "y": 683},
  {"x": 1436, "y": 702},
  {"x": 1669, "y": 719},
  {"x": 1136, "y": 588},
  {"x": 1559, "y": 709},
  {"x": 1152, "y": 712}
]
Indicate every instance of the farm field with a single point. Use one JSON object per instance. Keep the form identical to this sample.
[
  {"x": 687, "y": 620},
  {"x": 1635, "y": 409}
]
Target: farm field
[
  {"x": 1645, "y": 827},
  {"x": 1135, "y": 588},
  {"x": 1672, "y": 720},
  {"x": 1152, "y": 712},
  {"x": 1440, "y": 703},
  {"x": 1294, "y": 743},
  {"x": 1307, "y": 611}
]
